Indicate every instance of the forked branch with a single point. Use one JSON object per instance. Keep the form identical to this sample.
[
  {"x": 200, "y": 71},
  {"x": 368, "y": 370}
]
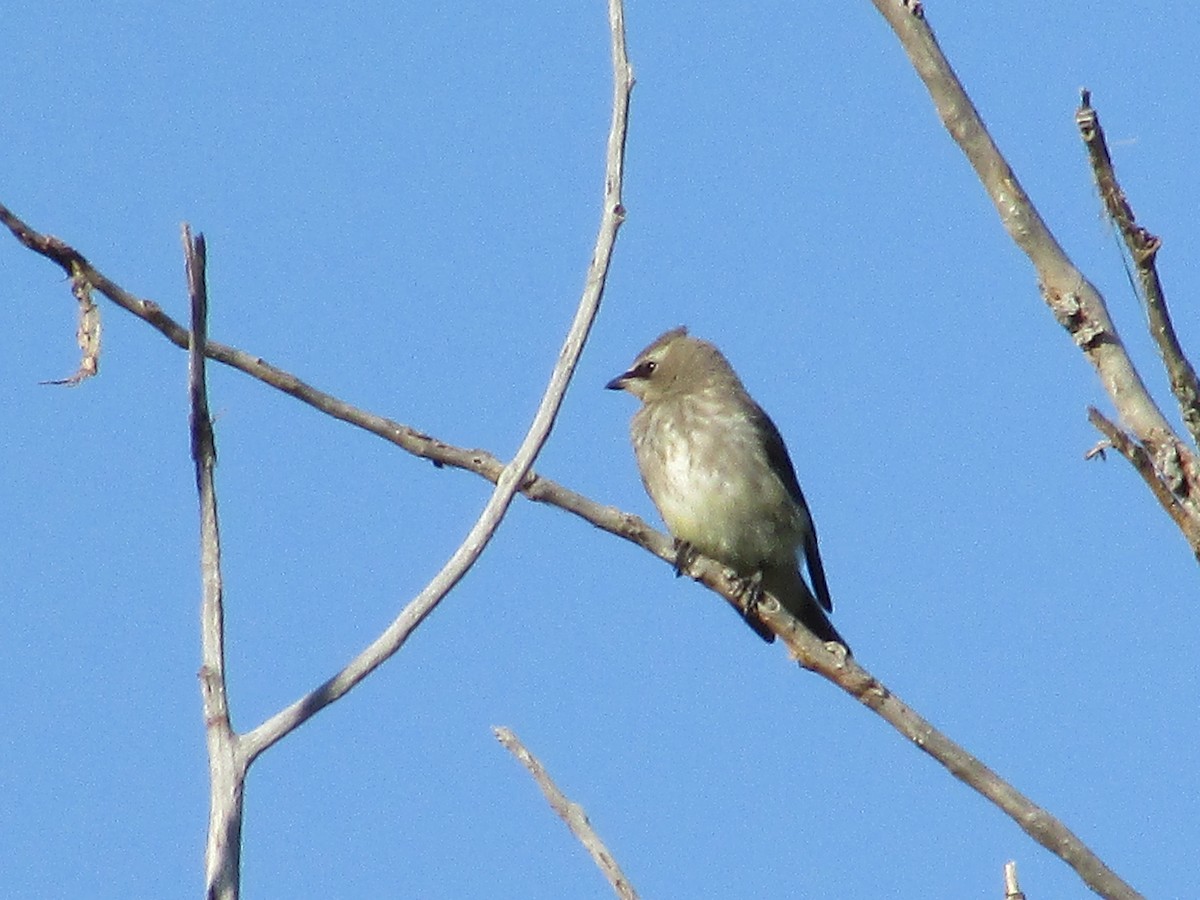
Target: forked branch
[
  {"x": 1143, "y": 251},
  {"x": 812, "y": 654},
  {"x": 1075, "y": 302}
]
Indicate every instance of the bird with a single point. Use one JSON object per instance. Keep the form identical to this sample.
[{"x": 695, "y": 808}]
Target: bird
[{"x": 719, "y": 473}]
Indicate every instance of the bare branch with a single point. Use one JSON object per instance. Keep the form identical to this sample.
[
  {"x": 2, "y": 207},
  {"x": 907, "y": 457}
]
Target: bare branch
[
  {"x": 1079, "y": 308},
  {"x": 511, "y": 478},
  {"x": 847, "y": 674},
  {"x": 227, "y": 766},
  {"x": 1075, "y": 302},
  {"x": 87, "y": 332},
  {"x": 835, "y": 666},
  {"x": 1141, "y": 460},
  {"x": 480, "y": 462},
  {"x": 1143, "y": 249},
  {"x": 1012, "y": 890},
  {"x": 571, "y": 813}
]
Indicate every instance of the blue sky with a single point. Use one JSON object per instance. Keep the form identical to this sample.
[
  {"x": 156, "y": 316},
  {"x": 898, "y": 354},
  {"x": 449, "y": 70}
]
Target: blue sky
[{"x": 400, "y": 202}]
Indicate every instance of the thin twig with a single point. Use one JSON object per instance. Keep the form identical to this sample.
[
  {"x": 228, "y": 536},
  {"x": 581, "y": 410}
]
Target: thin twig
[
  {"x": 571, "y": 813},
  {"x": 227, "y": 769},
  {"x": 1143, "y": 249},
  {"x": 1075, "y": 302},
  {"x": 87, "y": 332},
  {"x": 831, "y": 662},
  {"x": 512, "y": 476},
  {"x": 846, "y": 673},
  {"x": 1012, "y": 890},
  {"x": 1141, "y": 461},
  {"x": 636, "y": 530}
]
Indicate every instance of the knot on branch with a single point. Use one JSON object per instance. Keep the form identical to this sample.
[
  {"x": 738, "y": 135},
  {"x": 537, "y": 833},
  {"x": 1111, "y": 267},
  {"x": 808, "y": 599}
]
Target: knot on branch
[
  {"x": 1071, "y": 314},
  {"x": 1085, "y": 116},
  {"x": 1176, "y": 465},
  {"x": 1145, "y": 245}
]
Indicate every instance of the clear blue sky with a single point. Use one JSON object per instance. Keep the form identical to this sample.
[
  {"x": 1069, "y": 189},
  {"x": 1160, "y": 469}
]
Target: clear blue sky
[{"x": 400, "y": 201}]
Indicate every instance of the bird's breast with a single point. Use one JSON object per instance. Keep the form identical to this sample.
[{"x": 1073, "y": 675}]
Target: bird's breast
[{"x": 706, "y": 469}]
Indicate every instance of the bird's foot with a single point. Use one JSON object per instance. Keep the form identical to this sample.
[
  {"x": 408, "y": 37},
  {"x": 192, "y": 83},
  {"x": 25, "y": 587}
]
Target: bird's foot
[
  {"x": 752, "y": 597},
  {"x": 685, "y": 555},
  {"x": 752, "y": 593}
]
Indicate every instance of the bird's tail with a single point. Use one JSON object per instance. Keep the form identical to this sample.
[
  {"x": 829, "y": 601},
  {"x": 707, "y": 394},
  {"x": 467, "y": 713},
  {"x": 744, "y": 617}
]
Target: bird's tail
[
  {"x": 816, "y": 621},
  {"x": 793, "y": 594}
]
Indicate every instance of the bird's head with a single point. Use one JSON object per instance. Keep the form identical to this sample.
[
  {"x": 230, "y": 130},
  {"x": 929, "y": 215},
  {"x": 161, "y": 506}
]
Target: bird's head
[{"x": 675, "y": 363}]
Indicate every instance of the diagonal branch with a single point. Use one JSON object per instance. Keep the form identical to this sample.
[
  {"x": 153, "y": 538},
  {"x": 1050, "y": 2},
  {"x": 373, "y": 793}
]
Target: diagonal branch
[
  {"x": 407, "y": 438},
  {"x": 845, "y": 673},
  {"x": 1075, "y": 302},
  {"x": 480, "y": 462},
  {"x": 1141, "y": 461},
  {"x": 511, "y": 478},
  {"x": 571, "y": 813},
  {"x": 1143, "y": 249}
]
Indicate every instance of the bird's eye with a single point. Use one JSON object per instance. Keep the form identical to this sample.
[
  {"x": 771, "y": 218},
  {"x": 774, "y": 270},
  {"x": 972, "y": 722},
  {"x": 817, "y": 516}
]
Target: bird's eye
[{"x": 646, "y": 369}]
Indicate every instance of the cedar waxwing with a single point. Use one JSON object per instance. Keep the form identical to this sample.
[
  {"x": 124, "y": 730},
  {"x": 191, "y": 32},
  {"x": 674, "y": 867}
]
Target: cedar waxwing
[{"x": 717, "y": 469}]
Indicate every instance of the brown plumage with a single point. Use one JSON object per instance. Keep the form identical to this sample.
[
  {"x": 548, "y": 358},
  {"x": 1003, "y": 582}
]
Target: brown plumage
[{"x": 716, "y": 467}]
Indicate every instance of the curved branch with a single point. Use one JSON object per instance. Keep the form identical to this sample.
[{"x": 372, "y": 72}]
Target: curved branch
[{"x": 511, "y": 477}]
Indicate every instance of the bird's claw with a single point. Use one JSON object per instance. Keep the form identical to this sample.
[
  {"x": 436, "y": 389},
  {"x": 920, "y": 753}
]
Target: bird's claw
[
  {"x": 752, "y": 591},
  {"x": 752, "y": 597},
  {"x": 685, "y": 555}
]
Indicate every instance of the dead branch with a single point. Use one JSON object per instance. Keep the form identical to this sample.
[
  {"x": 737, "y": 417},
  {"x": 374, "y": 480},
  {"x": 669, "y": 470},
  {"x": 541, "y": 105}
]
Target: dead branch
[
  {"x": 1143, "y": 250},
  {"x": 571, "y": 813},
  {"x": 1075, "y": 302}
]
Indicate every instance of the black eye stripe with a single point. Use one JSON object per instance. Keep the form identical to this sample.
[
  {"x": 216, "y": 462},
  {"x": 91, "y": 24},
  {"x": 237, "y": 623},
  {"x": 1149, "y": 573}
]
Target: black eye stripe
[{"x": 644, "y": 370}]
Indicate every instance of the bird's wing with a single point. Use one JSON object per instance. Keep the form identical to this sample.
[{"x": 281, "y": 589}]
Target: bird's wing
[{"x": 781, "y": 463}]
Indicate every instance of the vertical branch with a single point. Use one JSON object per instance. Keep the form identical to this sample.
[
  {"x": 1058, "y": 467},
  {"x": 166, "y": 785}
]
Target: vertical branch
[
  {"x": 227, "y": 769},
  {"x": 1143, "y": 249},
  {"x": 87, "y": 332},
  {"x": 1012, "y": 888}
]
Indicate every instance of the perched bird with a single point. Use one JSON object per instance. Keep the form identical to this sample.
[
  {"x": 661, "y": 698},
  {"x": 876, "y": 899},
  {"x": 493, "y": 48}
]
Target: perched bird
[{"x": 717, "y": 469}]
